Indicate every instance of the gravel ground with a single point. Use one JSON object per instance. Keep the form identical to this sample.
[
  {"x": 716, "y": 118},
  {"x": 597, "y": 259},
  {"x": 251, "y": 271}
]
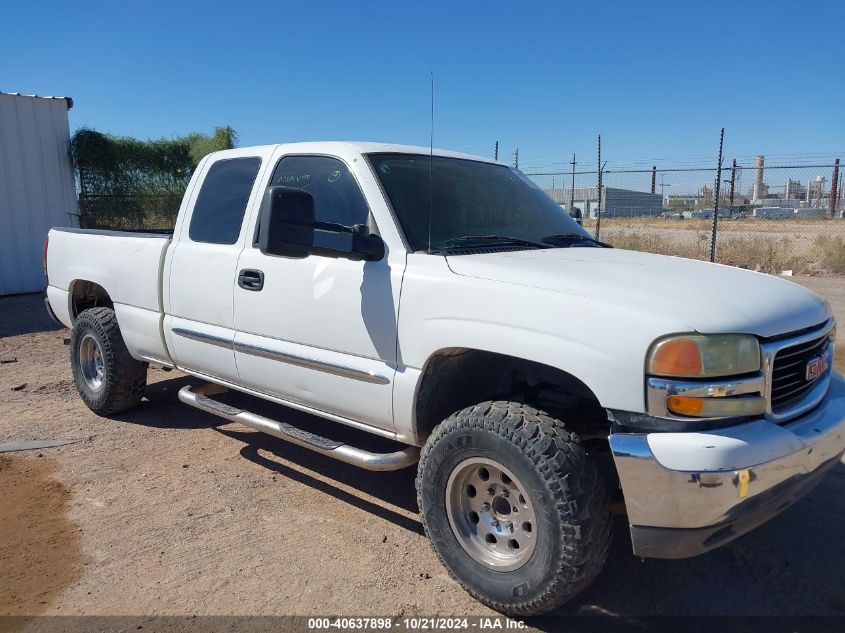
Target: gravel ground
[{"x": 163, "y": 511}]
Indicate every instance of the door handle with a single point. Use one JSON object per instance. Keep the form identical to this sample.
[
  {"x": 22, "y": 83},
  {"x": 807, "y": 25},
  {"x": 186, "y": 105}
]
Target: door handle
[{"x": 251, "y": 279}]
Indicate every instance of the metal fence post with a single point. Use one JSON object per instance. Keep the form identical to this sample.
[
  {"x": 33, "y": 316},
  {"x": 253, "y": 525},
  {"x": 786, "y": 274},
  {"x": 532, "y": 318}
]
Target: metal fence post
[
  {"x": 598, "y": 195},
  {"x": 653, "y": 178},
  {"x": 572, "y": 187},
  {"x": 834, "y": 189},
  {"x": 496, "y": 152},
  {"x": 716, "y": 190}
]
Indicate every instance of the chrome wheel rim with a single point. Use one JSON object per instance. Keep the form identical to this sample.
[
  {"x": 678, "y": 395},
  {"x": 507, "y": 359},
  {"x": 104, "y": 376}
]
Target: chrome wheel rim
[
  {"x": 491, "y": 514},
  {"x": 91, "y": 362}
]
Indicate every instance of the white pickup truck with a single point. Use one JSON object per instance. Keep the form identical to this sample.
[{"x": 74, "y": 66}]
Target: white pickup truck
[{"x": 446, "y": 302}]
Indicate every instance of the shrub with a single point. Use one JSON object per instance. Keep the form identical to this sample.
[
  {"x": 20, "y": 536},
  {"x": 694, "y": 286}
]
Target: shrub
[
  {"x": 831, "y": 253},
  {"x": 694, "y": 245},
  {"x": 763, "y": 253}
]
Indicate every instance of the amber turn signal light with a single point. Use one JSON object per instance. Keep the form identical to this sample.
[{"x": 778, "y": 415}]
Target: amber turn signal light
[
  {"x": 685, "y": 405},
  {"x": 678, "y": 357},
  {"x": 689, "y": 406}
]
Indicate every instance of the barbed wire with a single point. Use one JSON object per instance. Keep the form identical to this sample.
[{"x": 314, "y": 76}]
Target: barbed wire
[{"x": 675, "y": 169}]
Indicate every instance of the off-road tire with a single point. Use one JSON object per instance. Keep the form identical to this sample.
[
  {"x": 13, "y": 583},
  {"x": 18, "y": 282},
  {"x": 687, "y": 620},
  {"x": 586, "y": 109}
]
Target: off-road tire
[
  {"x": 571, "y": 501},
  {"x": 124, "y": 378}
]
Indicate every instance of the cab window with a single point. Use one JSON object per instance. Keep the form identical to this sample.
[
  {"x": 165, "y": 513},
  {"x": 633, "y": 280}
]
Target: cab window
[{"x": 221, "y": 203}]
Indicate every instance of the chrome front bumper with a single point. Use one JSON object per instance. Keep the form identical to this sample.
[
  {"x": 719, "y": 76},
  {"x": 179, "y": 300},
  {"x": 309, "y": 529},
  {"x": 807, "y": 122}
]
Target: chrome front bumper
[{"x": 687, "y": 493}]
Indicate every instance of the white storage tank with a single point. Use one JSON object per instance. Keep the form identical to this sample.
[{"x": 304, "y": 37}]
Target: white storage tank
[{"x": 37, "y": 188}]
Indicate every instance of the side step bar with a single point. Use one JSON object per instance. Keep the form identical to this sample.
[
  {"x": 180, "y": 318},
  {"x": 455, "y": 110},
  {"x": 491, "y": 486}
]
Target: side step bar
[{"x": 331, "y": 448}]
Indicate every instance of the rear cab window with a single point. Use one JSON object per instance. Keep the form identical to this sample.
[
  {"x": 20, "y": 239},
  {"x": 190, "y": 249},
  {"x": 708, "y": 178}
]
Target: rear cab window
[{"x": 222, "y": 200}]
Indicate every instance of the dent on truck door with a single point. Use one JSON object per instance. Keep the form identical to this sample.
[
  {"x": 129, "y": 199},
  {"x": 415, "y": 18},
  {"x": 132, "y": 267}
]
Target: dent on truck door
[
  {"x": 321, "y": 331},
  {"x": 202, "y": 277}
]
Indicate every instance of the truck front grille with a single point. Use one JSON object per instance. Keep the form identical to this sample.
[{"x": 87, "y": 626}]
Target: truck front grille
[{"x": 789, "y": 383}]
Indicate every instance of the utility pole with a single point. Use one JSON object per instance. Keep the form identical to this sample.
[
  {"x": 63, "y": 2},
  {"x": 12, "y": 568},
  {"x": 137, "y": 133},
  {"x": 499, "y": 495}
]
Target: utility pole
[
  {"x": 496, "y": 152},
  {"x": 663, "y": 186},
  {"x": 733, "y": 185},
  {"x": 572, "y": 187}
]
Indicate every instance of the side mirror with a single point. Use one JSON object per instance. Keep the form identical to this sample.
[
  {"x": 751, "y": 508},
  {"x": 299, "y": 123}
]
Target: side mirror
[
  {"x": 287, "y": 227},
  {"x": 286, "y": 224}
]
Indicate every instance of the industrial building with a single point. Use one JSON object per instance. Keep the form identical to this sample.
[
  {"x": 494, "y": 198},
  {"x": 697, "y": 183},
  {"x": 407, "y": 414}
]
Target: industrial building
[
  {"x": 37, "y": 189},
  {"x": 614, "y": 202},
  {"x": 759, "y": 190},
  {"x": 794, "y": 195}
]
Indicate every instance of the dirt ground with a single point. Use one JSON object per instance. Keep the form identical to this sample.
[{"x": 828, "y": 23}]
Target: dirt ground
[{"x": 163, "y": 511}]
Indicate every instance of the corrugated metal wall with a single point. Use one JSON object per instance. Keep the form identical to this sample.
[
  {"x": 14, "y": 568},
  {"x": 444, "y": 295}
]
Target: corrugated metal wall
[{"x": 37, "y": 188}]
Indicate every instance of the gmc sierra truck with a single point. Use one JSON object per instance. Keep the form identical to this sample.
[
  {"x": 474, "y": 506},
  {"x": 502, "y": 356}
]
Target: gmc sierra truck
[{"x": 445, "y": 302}]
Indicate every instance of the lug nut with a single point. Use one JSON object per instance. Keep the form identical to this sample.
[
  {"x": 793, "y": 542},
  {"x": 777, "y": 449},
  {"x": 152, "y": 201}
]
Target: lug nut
[
  {"x": 485, "y": 507},
  {"x": 495, "y": 522},
  {"x": 505, "y": 492},
  {"x": 490, "y": 492}
]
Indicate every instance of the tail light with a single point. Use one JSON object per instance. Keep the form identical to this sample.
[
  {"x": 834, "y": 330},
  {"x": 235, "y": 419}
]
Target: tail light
[{"x": 45, "y": 260}]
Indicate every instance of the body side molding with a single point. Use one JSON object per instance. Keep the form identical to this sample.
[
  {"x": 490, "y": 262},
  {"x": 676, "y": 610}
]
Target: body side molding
[{"x": 285, "y": 357}]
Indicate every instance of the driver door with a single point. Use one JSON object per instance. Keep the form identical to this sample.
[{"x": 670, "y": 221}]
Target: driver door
[{"x": 321, "y": 331}]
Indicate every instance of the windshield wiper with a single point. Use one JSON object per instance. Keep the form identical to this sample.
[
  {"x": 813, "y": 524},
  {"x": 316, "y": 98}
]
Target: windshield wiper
[
  {"x": 573, "y": 237},
  {"x": 476, "y": 240}
]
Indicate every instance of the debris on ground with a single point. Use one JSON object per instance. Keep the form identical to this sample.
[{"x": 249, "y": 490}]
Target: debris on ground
[{"x": 28, "y": 445}]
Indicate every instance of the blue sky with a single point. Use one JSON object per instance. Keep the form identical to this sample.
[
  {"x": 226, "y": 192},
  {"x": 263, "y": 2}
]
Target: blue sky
[{"x": 656, "y": 79}]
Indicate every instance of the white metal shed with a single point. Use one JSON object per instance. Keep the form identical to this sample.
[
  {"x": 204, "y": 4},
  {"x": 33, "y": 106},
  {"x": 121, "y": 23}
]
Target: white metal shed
[{"x": 37, "y": 188}]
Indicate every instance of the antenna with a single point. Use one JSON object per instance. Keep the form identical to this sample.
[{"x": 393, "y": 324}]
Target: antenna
[{"x": 430, "y": 160}]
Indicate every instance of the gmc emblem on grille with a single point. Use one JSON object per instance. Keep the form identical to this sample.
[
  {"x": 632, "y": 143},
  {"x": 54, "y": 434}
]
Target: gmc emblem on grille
[{"x": 816, "y": 367}]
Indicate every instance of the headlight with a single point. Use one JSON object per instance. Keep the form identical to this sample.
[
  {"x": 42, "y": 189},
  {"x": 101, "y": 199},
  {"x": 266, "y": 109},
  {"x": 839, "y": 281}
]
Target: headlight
[{"x": 704, "y": 356}]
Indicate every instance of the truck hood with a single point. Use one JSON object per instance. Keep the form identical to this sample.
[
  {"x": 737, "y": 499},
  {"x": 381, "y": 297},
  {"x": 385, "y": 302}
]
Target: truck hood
[{"x": 704, "y": 297}]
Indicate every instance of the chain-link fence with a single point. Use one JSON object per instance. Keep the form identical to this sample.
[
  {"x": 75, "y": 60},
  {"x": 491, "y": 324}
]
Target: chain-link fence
[{"x": 770, "y": 217}]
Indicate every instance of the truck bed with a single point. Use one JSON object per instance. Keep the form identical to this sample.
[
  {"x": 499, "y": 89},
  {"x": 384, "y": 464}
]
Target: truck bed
[{"x": 127, "y": 265}]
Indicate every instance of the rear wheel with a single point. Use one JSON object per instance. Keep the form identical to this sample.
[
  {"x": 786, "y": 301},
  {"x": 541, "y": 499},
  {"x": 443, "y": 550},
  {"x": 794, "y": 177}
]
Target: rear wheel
[
  {"x": 513, "y": 506},
  {"x": 107, "y": 378}
]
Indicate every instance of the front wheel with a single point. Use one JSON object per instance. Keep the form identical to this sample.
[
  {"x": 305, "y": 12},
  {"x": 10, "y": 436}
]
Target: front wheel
[
  {"x": 107, "y": 378},
  {"x": 513, "y": 506}
]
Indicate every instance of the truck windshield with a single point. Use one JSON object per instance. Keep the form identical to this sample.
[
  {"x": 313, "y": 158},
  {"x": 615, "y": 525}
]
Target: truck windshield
[{"x": 472, "y": 204}]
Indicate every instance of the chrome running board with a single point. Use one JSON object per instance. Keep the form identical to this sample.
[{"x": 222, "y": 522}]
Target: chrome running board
[{"x": 317, "y": 443}]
